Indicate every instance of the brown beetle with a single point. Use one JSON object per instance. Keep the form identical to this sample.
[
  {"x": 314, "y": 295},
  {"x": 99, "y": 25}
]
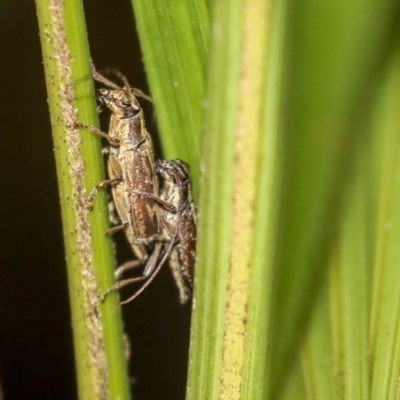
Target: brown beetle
[
  {"x": 176, "y": 238},
  {"x": 130, "y": 165}
]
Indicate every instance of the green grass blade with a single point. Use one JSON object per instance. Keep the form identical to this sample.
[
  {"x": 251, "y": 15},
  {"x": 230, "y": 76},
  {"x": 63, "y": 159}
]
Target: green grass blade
[
  {"x": 257, "y": 363},
  {"x": 174, "y": 38},
  {"x": 329, "y": 97},
  {"x": 216, "y": 209},
  {"x": 236, "y": 161},
  {"x": 295, "y": 387},
  {"x": 385, "y": 321},
  {"x": 317, "y": 360},
  {"x": 350, "y": 287},
  {"x": 335, "y": 356},
  {"x": 101, "y": 366}
]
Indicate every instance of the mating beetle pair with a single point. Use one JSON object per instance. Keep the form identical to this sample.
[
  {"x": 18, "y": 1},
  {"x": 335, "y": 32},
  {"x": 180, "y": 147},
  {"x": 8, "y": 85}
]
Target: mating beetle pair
[{"x": 159, "y": 225}]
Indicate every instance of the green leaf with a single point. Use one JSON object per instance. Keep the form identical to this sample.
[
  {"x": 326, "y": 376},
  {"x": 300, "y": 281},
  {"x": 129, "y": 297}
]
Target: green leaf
[
  {"x": 350, "y": 285},
  {"x": 174, "y": 37},
  {"x": 99, "y": 350},
  {"x": 295, "y": 388},
  {"x": 336, "y": 53},
  {"x": 238, "y": 156},
  {"x": 385, "y": 320},
  {"x": 319, "y": 372}
]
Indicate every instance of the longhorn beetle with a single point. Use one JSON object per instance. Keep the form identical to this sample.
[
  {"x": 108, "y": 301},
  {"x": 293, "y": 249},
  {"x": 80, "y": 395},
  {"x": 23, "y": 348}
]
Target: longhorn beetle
[
  {"x": 130, "y": 165},
  {"x": 177, "y": 232}
]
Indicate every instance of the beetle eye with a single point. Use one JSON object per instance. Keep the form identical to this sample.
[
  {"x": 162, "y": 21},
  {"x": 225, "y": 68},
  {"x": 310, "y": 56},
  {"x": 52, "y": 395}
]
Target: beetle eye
[{"x": 120, "y": 104}]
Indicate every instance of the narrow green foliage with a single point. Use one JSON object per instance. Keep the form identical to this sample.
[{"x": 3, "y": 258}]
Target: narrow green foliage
[
  {"x": 175, "y": 37},
  {"x": 167, "y": 62},
  {"x": 350, "y": 287},
  {"x": 215, "y": 205},
  {"x": 97, "y": 329},
  {"x": 319, "y": 372},
  {"x": 385, "y": 322},
  {"x": 257, "y": 365},
  {"x": 54, "y": 80},
  {"x": 328, "y": 98},
  {"x": 335, "y": 356},
  {"x": 295, "y": 387},
  {"x": 236, "y": 225}
]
